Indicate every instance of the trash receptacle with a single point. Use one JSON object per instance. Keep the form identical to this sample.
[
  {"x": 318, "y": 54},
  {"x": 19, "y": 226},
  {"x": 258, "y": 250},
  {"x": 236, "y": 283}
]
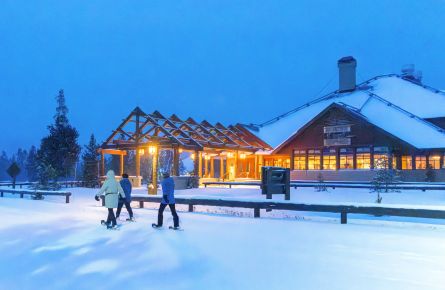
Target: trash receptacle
[{"x": 275, "y": 180}]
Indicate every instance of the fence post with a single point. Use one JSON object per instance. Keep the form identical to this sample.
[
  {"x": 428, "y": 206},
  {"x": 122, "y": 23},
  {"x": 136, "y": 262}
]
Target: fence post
[
  {"x": 103, "y": 200},
  {"x": 256, "y": 212},
  {"x": 344, "y": 217},
  {"x": 190, "y": 207},
  {"x": 67, "y": 198},
  {"x": 1, "y": 193},
  {"x": 141, "y": 204}
]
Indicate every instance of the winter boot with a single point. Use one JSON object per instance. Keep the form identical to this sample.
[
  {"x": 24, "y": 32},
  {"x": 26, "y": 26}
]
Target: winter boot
[
  {"x": 130, "y": 219},
  {"x": 156, "y": 226}
]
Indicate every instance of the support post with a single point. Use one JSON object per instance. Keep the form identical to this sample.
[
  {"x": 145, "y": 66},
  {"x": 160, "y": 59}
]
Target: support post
[
  {"x": 141, "y": 204},
  {"x": 256, "y": 212},
  {"x": 343, "y": 218},
  {"x": 196, "y": 163},
  {"x": 206, "y": 167},
  {"x": 102, "y": 164},
  {"x": 221, "y": 168},
  {"x": 212, "y": 167},
  {"x": 138, "y": 162},
  {"x": 190, "y": 207},
  {"x": 121, "y": 167},
  {"x": 255, "y": 168},
  {"x": 235, "y": 165},
  {"x": 67, "y": 198},
  {"x": 200, "y": 164},
  {"x": 154, "y": 180},
  {"x": 175, "y": 161}
]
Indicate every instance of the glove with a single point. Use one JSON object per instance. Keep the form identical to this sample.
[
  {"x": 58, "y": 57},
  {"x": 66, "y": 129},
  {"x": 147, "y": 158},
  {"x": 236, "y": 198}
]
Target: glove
[{"x": 97, "y": 198}]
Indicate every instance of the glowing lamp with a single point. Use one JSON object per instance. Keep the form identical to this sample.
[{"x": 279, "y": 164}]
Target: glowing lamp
[
  {"x": 242, "y": 156},
  {"x": 141, "y": 151},
  {"x": 180, "y": 150},
  {"x": 207, "y": 157},
  {"x": 192, "y": 156},
  {"x": 152, "y": 149},
  {"x": 229, "y": 155}
]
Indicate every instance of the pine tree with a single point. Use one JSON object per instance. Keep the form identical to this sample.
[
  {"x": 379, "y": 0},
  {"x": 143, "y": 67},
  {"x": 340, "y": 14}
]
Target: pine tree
[
  {"x": 60, "y": 149},
  {"x": 31, "y": 164},
  {"x": 90, "y": 159},
  {"x": 384, "y": 178}
]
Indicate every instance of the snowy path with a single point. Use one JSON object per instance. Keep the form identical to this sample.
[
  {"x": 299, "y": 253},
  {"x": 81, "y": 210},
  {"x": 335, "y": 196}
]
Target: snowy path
[{"x": 51, "y": 245}]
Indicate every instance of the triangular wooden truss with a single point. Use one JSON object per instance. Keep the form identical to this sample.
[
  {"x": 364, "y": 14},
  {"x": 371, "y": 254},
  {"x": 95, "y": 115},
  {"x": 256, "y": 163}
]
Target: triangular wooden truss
[{"x": 140, "y": 129}]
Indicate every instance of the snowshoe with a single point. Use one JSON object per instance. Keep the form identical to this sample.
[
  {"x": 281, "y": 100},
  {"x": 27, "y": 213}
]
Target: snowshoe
[
  {"x": 175, "y": 228},
  {"x": 115, "y": 227},
  {"x": 156, "y": 226},
  {"x": 104, "y": 223}
]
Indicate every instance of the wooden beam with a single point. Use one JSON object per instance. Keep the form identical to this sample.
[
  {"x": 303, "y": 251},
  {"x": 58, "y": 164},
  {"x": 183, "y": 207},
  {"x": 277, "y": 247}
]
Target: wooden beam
[
  {"x": 154, "y": 180},
  {"x": 221, "y": 168},
  {"x": 102, "y": 164},
  {"x": 200, "y": 164},
  {"x": 114, "y": 152},
  {"x": 196, "y": 163},
  {"x": 212, "y": 167}
]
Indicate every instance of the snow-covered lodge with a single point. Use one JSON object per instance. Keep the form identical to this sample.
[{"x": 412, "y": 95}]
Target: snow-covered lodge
[{"x": 343, "y": 134}]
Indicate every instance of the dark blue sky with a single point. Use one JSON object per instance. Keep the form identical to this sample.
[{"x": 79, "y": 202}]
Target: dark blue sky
[{"x": 229, "y": 61}]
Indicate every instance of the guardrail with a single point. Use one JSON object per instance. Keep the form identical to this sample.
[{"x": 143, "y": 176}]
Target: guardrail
[
  {"x": 343, "y": 210},
  {"x": 394, "y": 186},
  {"x": 36, "y": 192}
]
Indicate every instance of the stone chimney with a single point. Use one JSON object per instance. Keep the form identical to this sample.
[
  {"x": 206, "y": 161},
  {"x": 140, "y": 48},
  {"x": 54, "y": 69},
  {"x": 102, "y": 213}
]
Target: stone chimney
[{"x": 346, "y": 74}]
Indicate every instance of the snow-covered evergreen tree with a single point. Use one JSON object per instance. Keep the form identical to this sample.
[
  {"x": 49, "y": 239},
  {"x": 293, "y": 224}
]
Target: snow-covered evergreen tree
[
  {"x": 90, "y": 159},
  {"x": 384, "y": 178},
  {"x": 60, "y": 149}
]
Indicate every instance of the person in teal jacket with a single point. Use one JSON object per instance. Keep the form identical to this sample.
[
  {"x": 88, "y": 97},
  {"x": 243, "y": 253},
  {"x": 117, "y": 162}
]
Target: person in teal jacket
[{"x": 168, "y": 198}]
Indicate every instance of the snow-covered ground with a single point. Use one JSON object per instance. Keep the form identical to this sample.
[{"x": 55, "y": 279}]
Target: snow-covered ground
[{"x": 52, "y": 245}]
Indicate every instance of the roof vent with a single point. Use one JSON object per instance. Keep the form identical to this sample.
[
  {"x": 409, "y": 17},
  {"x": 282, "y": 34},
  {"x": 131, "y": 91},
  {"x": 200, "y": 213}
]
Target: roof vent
[
  {"x": 409, "y": 73},
  {"x": 346, "y": 70}
]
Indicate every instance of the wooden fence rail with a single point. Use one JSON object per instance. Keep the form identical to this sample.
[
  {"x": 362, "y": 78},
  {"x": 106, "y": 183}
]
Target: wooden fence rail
[
  {"x": 34, "y": 192},
  {"x": 65, "y": 184},
  {"x": 343, "y": 210},
  {"x": 395, "y": 186}
]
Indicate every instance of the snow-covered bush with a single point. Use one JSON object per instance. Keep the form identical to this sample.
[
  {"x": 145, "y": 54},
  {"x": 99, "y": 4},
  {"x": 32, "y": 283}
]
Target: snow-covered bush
[{"x": 385, "y": 178}]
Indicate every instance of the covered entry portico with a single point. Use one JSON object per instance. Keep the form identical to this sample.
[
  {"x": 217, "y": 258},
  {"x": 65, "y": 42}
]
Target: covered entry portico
[{"x": 218, "y": 152}]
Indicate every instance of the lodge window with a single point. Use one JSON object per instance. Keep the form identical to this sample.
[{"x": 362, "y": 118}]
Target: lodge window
[
  {"x": 363, "y": 158},
  {"x": 346, "y": 158},
  {"x": 300, "y": 160},
  {"x": 314, "y": 158},
  {"x": 407, "y": 163},
  {"x": 434, "y": 161},
  {"x": 420, "y": 162},
  {"x": 381, "y": 157},
  {"x": 329, "y": 159}
]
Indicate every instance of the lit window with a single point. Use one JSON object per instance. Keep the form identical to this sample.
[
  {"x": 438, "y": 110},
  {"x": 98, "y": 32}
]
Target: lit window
[
  {"x": 363, "y": 158},
  {"x": 434, "y": 161},
  {"x": 407, "y": 163},
  {"x": 381, "y": 157},
  {"x": 329, "y": 159},
  {"x": 420, "y": 162},
  {"x": 300, "y": 160},
  {"x": 314, "y": 159},
  {"x": 346, "y": 158}
]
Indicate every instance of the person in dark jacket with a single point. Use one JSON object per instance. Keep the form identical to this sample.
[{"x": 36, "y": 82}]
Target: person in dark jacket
[
  {"x": 126, "y": 186},
  {"x": 168, "y": 198}
]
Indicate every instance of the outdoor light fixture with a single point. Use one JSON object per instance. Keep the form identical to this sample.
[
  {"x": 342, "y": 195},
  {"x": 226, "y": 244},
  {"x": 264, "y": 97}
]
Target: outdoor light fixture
[
  {"x": 141, "y": 151},
  {"x": 242, "y": 156},
  {"x": 180, "y": 150},
  {"x": 192, "y": 156},
  {"x": 207, "y": 157},
  {"x": 229, "y": 155},
  {"x": 152, "y": 149}
]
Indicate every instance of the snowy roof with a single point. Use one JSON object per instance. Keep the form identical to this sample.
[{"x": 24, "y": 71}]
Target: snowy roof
[{"x": 390, "y": 102}]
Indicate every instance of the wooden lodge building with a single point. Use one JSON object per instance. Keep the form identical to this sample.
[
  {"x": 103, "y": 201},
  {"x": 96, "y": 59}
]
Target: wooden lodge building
[{"x": 389, "y": 120}]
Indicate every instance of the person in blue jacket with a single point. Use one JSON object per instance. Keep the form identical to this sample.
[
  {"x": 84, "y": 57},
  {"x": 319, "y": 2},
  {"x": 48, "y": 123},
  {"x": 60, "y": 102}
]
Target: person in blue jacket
[
  {"x": 168, "y": 198},
  {"x": 126, "y": 186}
]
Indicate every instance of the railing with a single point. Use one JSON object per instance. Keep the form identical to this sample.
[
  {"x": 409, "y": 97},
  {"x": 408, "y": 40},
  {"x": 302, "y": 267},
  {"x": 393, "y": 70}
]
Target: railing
[
  {"x": 393, "y": 186},
  {"x": 36, "y": 192},
  {"x": 343, "y": 210},
  {"x": 65, "y": 184}
]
